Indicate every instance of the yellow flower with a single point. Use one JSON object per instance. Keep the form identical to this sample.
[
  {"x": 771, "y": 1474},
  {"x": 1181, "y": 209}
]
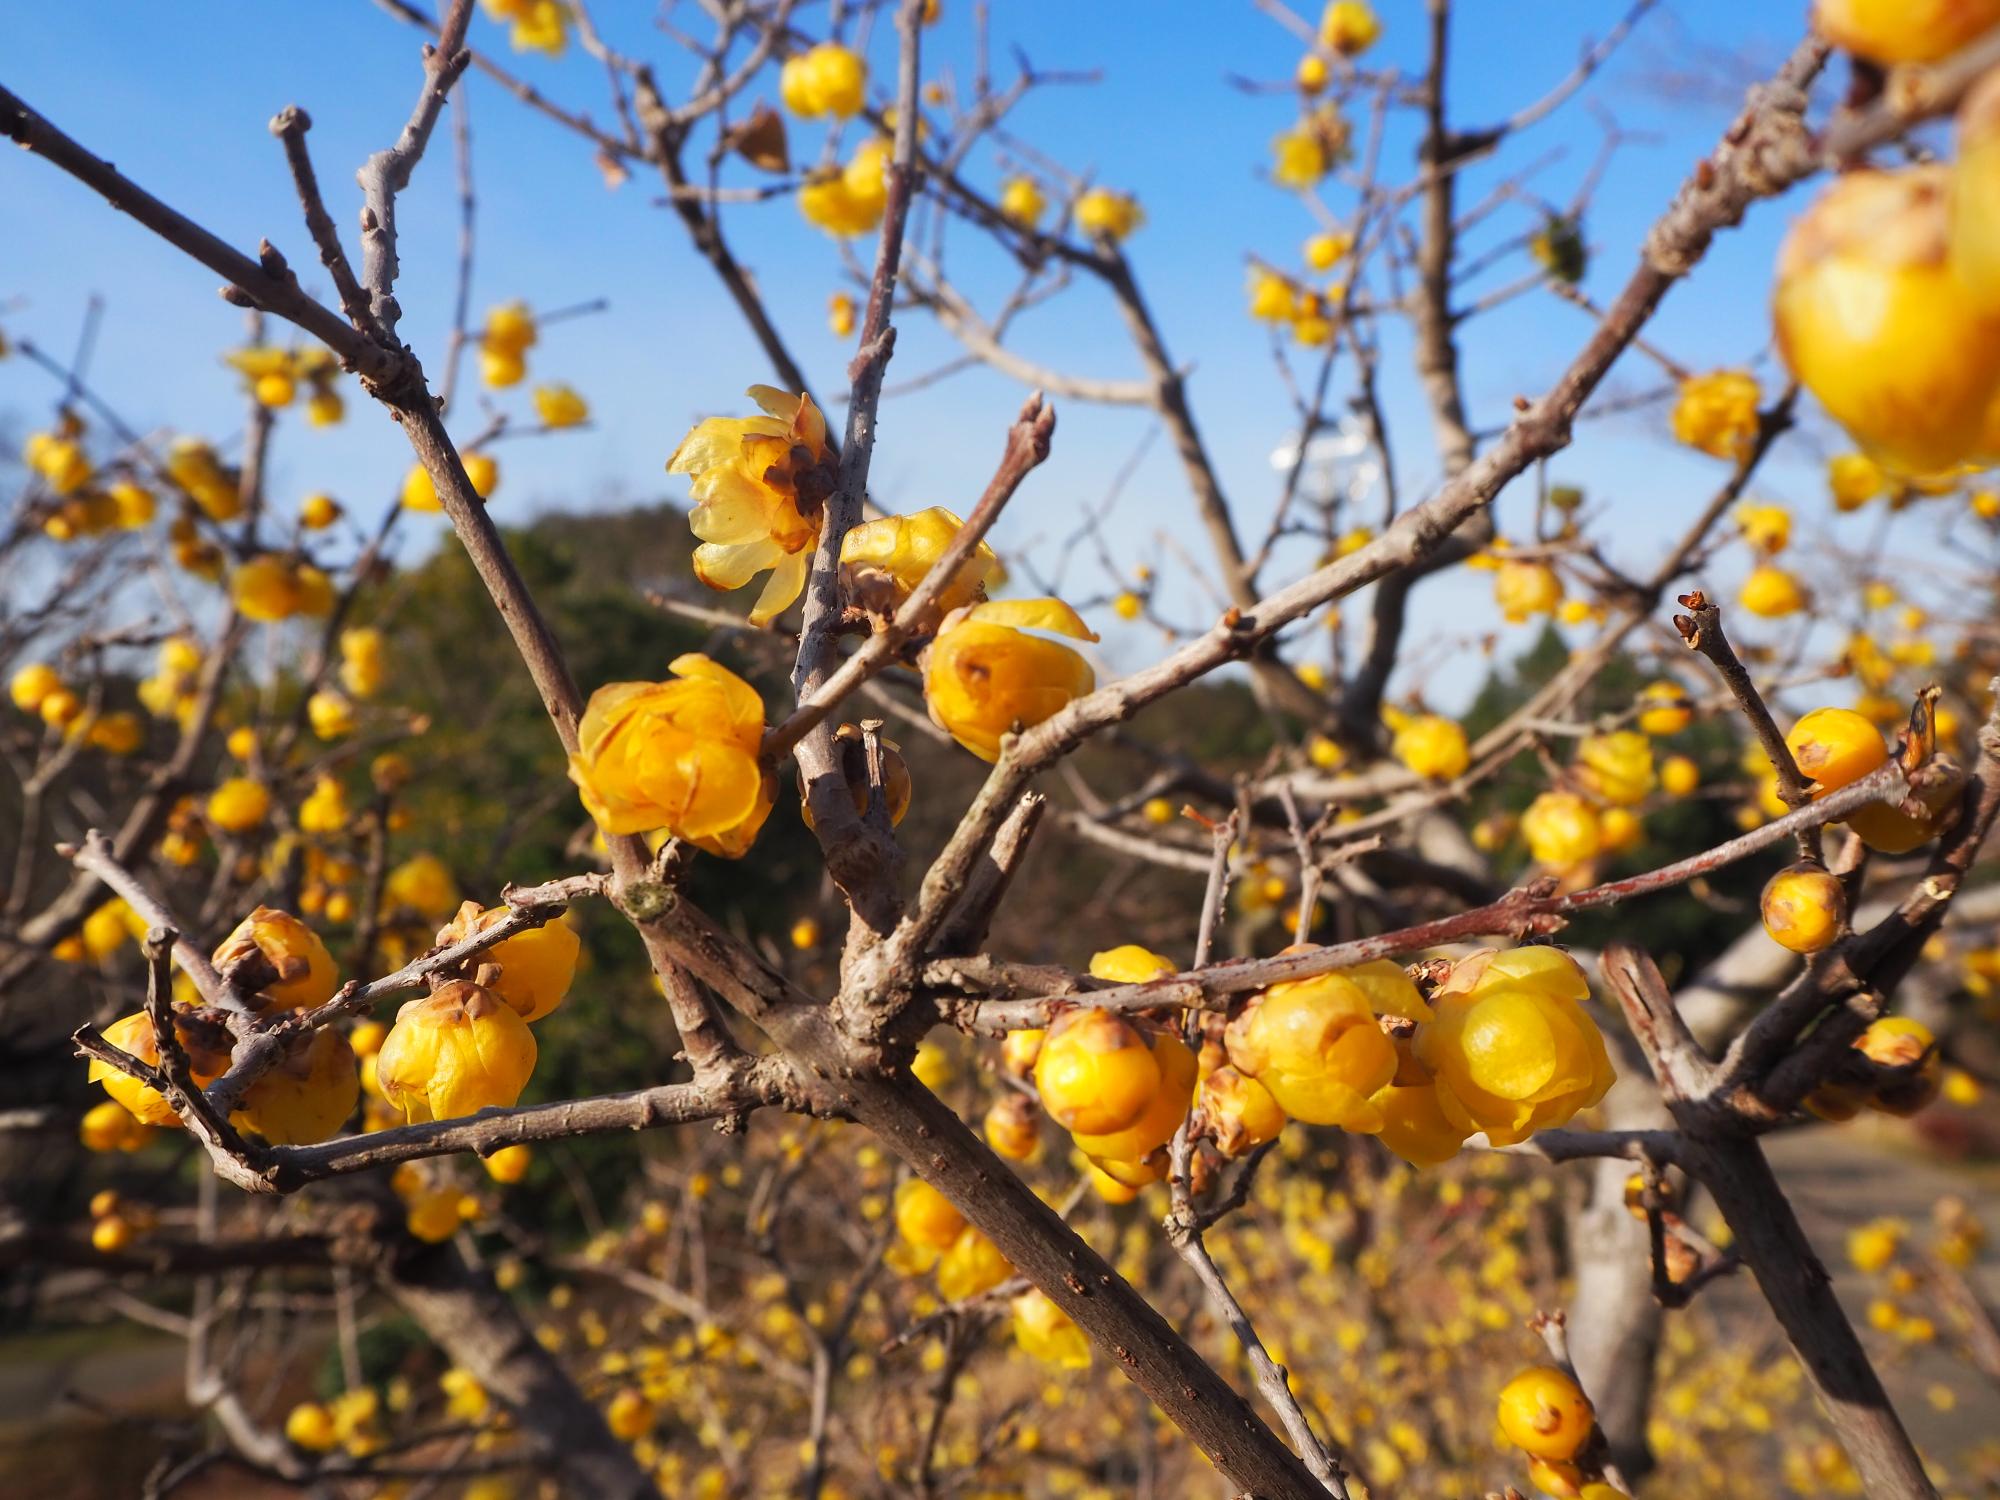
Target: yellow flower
[
  {"x": 1415, "y": 1125},
  {"x": 1562, "y": 829},
  {"x": 31, "y": 684},
  {"x": 193, "y": 466},
  {"x": 306, "y": 975},
  {"x": 1717, "y": 413},
  {"x": 1871, "y": 1247},
  {"x": 1312, "y": 73},
  {"x": 325, "y": 809},
  {"x": 1768, "y": 528},
  {"x": 1664, "y": 707},
  {"x": 1349, "y": 27},
  {"x": 308, "y": 1095},
  {"x": 136, "y": 504},
  {"x": 206, "y": 1043},
  {"x": 1299, "y": 158},
  {"x": 537, "y": 965},
  {"x": 1804, "y": 908},
  {"x": 1433, "y": 747},
  {"x": 361, "y": 668},
  {"x": 1525, "y": 589},
  {"x": 849, "y": 201},
  {"x": 970, "y": 1265},
  {"x": 60, "y": 461},
  {"x": 318, "y": 511},
  {"x": 1108, "y": 215},
  {"x": 423, "y": 884},
  {"x": 1324, "y": 251},
  {"x": 1544, "y": 1413},
  {"x": 825, "y": 80},
  {"x": 680, "y": 755},
  {"x": 1270, "y": 297},
  {"x": 119, "y": 733},
  {"x": 1314, "y": 1043},
  {"x": 455, "y": 1051},
  {"x": 1854, "y": 479},
  {"x": 883, "y": 561},
  {"x": 560, "y": 406},
  {"x": 1617, "y": 767},
  {"x": 1098, "y": 1074},
  {"x": 925, "y": 1217},
  {"x": 1021, "y": 200},
  {"x": 1010, "y": 1128},
  {"x": 760, "y": 490},
  {"x": 1975, "y": 181},
  {"x": 330, "y": 714},
  {"x": 840, "y": 311},
  {"x": 1044, "y": 1331},
  {"x": 310, "y": 1426},
  {"x": 1237, "y": 1112},
  {"x": 1771, "y": 593},
  {"x": 1874, "y": 321},
  {"x": 1511, "y": 1049},
  {"x": 238, "y": 805},
  {"x": 985, "y": 675},
  {"x": 1903, "y": 31}
]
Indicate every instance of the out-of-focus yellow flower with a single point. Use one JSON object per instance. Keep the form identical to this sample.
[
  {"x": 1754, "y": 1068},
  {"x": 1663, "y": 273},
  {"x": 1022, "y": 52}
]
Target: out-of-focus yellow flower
[
  {"x": 1324, "y": 251},
  {"x": 1679, "y": 775},
  {"x": 423, "y": 884},
  {"x": 455, "y": 1051},
  {"x": 1106, "y": 214},
  {"x": 1299, "y": 158},
  {"x": 1562, "y": 829},
  {"x": 680, "y": 755},
  {"x": 1903, "y": 31},
  {"x": 310, "y": 1426},
  {"x": 135, "y": 503},
  {"x": 271, "y": 588},
  {"x": 560, "y": 406},
  {"x": 883, "y": 561},
  {"x": 1664, "y": 707},
  {"x": 1511, "y": 1048},
  {"x": 970, "y": 1265},
  {"x": 760, "y": 490},
  {"x": 1021, "y": 200},
  {"x": 1768, "y": 528},
  {"x": 1312, "y": 74},
  {"x": 238, "y": 804},
  {"x": 1271, "y": 297},
  {"x": 1415, "y": 1125},
  {"x": 851, "y": 200},
  {"x": 1617, "y": 767},
  {"x": 1010, "y": 1128},
  {"x": 330, "y": 714},
  {"x": 325, "y": 808},
  {"x": 985, "y": 674},
  {"x": 60, "y": 460},
  {"x": 1771, "y": 593},
  {"x": 306, "y": 974},
  {"x": 1097, "y": 1073},
  {"x": 840, "y": 315},
  {"x": 1874, "y": 320},
  {"x": 1045, "y": 1332},
  {"x": 318, "y": 511},
  {"x": 925, "y": 1217},
  {"x": 537, "y": 25},
  {"x": 307, "y": 1095},
  {"x": 119, "y": 733},
  {"x": 33, "y": 683},
  {"x": 509, "y": 1164},
  {"x": 1854, "y": 479},
  {"x": 1525, "y": 589},
  {"x": 193, "y": 466},
  {"x": 537, "y": 965},
  {"x": 828, "y": 79},
  {"x": 1350, "y": 27},
  {"x": 361, "y": 661},
  {"x": 1717, "y": 413},
  {"x": 1432, "y": 746}
]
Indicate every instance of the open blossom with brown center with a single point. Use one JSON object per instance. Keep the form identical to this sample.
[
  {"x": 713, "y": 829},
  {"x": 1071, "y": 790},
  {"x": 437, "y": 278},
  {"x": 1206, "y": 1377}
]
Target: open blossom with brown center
[{"x": 760, "y": 490}]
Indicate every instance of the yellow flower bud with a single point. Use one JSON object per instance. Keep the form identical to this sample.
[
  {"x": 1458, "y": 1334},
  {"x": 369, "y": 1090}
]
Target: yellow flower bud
[
  {"x": 1316, "y": 1045},
  {"x": 1664, "y": 708},
  {"x": 424, "y": 884},
  {"x": 924, "y": 1216},
  {"x": 207, "y": 1045},
  {"x": 984, "y": 675},
  {"x": 1526, "y": 589},
  {"x": 1433, "y": 747},
  {"x": 1043, "y": 1331},
  {"x": 33, "y": 683},
  {"x": 1104, "y": 214},
  {"x": 1349, "y": 27},
  {"x": 238, "y": 805},
  {"x": 1237, "y": 1112},
  {"x": 1618, "y": 767},
  {"x": 1010, "y": 1128},
  {"x": 1544, "y": 1413},
  {"x": 1021, "y": 200},
  {"x": 509, "y": 1164},
  {"x": 1717, "y": 413},
  {"x": 970, "y": 1265},
  {"x": 1804, "y": 908},
  {"x": 308, "y": 1095},
  {"x": 1562, "y": 829},
  {"x": 1097, "y": 1073}
]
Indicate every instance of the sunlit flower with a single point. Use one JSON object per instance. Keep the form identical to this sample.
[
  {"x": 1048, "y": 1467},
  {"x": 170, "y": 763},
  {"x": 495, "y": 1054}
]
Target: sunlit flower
[
  {"x": 760, "y": 490},
  {"x": 680, "y": 755},
  {"x": 882, "y": 562},
  {"x": 984, "y": 674},
  {"x": 1717, "y": 413},
  {"x": 455, "y": 1051}
]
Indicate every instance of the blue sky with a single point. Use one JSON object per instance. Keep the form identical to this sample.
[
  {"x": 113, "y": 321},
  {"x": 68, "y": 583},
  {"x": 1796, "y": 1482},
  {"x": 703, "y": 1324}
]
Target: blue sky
[{"x": 180, "y": 96}]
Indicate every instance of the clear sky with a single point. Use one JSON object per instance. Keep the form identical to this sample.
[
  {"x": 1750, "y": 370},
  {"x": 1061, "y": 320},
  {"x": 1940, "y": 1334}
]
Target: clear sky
[{"x": 180, "y": 96}]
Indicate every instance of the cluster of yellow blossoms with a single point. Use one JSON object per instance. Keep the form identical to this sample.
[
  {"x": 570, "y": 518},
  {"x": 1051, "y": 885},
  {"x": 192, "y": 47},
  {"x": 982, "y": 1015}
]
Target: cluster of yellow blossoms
[
  {"x": 1593, "y": 812},
  {"x": 828, "y": 79},
  {"x": 1545, "y": 1414},
  {"x": 849, "y": 200},
  {"x": 271, "y": 587},
  {"x": 38, "y": 688},
  {"x": 274, "y": 376},
  {"x": 1285, "y": 301},
  {"x": 1502, "y": 1046}
]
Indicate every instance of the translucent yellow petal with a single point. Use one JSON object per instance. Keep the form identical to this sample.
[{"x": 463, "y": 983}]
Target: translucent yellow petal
[{"x": 1033, "y": 614}]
